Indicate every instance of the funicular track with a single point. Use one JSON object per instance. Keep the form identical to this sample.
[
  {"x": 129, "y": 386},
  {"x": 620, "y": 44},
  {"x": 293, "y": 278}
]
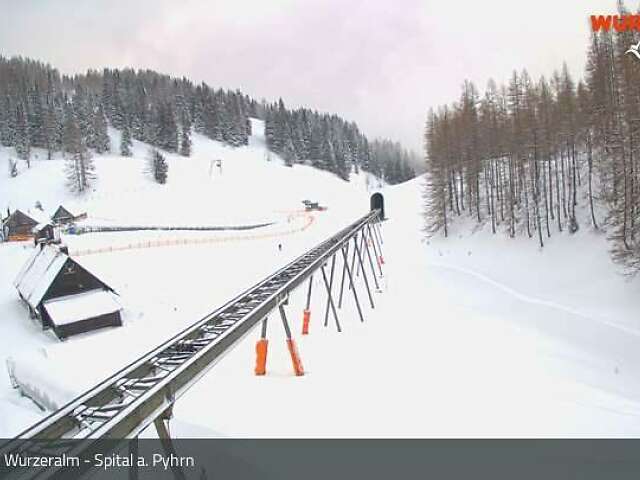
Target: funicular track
[{"x": 144, "y": 391}]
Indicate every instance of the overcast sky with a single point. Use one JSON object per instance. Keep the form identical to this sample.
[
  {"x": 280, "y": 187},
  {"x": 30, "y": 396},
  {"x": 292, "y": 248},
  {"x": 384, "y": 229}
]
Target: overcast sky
[{"x": 380, "y": 63}]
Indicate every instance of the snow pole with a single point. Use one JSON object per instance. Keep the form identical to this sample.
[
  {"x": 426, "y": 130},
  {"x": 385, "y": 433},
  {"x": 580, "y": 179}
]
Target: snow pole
[
  {"x": 298, "y": 369},
  {"x": 261, "y": 351},
  {"x": 306, "y": 315}
]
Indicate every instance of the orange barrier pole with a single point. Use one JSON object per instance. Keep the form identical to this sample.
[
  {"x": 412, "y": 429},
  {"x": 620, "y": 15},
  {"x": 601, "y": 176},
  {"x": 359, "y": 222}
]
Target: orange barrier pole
[
  {"x": 261, "y": 351},
  {"x": 261, "y": 356},
  {"x": 291, "y": 345},
  {"x": 306, "y": 316},
  {"x": 295, "y": 357}
]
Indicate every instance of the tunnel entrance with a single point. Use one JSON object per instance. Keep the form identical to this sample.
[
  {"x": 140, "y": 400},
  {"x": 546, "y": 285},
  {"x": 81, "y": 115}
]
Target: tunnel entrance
[{"x": 377, "y": 203}]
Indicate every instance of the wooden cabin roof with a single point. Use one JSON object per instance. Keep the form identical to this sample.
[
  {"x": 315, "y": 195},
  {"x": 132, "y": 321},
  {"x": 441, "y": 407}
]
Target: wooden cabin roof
[
  {"x": 18, "y": 218},
  {"x": 39, "y": 273},
  {"x": 62, "y": 212}
]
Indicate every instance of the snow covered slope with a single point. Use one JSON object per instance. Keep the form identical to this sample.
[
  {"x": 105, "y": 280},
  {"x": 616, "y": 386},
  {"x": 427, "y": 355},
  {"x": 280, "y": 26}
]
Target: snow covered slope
[
  {"x": 470, "y": 336},
  {"x": 162, "y": 289},
  {"x": 246, "y": 187}
]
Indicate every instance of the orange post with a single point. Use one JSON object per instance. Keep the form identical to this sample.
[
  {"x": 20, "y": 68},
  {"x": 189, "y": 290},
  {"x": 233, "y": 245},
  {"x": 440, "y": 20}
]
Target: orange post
[
  {"x": 306, "y": 317},
  {"x": 295, "y": 357},
  {"x": 261, "y": 356}
]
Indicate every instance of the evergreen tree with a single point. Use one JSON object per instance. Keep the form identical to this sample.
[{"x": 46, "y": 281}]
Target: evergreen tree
[
  {"x": 79, "y": 166},
  {"x": 7, "y": 131},
  {"x": 185, "y": 133},
  {"x": 167, "y": 138},
  {"x": 125, "y": 141},
  {"x": 158, "y": 167},
  {"x": 185, "y": 142},
  {"x": 100, "y": 137},
  {"x": 51, "y": 129},
  {"x": 35, "y": 117},
  {"x": 289, "y": 153},
  {"x": 22, "y": 140}
]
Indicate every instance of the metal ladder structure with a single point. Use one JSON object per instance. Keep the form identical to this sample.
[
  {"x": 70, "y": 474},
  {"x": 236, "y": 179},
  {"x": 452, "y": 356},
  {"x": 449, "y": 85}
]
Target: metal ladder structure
[{"x": 144, "y": 391}]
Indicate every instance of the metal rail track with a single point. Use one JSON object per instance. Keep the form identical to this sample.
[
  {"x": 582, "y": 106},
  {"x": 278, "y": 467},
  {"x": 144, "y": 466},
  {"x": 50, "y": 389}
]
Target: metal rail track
[{"x": 127, "y": 402}]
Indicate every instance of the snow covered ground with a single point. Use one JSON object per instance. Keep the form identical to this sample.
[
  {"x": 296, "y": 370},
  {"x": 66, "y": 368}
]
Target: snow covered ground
[
  {"x": 163, "y": 289},
  {"x": 470, "y": 336}
]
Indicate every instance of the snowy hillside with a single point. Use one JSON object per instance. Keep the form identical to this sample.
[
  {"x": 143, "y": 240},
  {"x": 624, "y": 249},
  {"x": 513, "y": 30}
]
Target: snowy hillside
[
  {"x": 197, "y": 191},
  {"x": 162, "y": 289},
  {"x": 470, "y": 336}
]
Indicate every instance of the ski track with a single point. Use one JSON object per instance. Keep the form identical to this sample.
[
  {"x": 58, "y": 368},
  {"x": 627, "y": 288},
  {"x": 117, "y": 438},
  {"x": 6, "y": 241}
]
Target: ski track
[{"x": 532, "y": 300}]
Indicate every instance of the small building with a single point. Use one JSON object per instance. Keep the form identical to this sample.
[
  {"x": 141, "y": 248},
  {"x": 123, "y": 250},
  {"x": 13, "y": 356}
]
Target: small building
[
  {"x": 18, "y": 226},
  {"x": 65, "y": 296},
  {"x": 46, "y": 232},
  {"x": 62, "y": 216}
]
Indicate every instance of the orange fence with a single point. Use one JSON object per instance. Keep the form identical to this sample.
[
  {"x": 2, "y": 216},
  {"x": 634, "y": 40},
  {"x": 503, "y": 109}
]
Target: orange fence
[{"x": 309, "y": 219}]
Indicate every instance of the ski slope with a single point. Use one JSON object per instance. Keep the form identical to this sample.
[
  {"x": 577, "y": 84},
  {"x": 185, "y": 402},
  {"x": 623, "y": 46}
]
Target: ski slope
[
  {"x": 454, "y": 349},
  {"x": 472, "y": 336},
  {"x": 162, "y": 289}
]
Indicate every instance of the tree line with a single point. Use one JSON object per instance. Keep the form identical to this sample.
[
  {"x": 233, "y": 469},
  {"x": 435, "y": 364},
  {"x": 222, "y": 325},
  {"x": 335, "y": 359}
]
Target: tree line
[
  {"x": 530, "y": 156},
  {"x": 70, "y": 114},
  {"x": 330, "y": 143},
  {"x": 40, "y": 108}
]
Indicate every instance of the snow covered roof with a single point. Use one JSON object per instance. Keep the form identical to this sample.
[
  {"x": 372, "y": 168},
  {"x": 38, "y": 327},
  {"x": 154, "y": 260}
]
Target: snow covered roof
[
  {"x": 39, "y": 216},
  {"x": 40, "y": 226},
  {"x": 37, "y": 274},
  {"x": 81, "y": 306}
]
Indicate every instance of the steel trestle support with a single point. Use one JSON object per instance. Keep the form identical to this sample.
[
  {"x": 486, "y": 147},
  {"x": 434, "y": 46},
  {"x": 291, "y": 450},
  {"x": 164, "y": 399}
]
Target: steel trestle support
[{"x": 131, "y": 399}]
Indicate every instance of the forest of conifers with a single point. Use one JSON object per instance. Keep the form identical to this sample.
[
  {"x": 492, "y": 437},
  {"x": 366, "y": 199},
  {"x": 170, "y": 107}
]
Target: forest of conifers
[
  {"x": 540, "y": 156},
  {"x": 40, "y": 108}
]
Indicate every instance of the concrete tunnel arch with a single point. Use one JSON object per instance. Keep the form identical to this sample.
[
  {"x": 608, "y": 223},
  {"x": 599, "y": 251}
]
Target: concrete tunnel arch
[{"x": 377, "y": 203}]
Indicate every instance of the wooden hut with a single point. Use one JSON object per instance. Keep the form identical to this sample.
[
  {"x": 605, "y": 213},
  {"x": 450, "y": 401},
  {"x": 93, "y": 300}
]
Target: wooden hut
[
  {"x": 62, "y": 216},
  {"x": 64, "y": 295},
  {"x": 18, "y": 226},
  {"x": 47, "y": 233}
]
